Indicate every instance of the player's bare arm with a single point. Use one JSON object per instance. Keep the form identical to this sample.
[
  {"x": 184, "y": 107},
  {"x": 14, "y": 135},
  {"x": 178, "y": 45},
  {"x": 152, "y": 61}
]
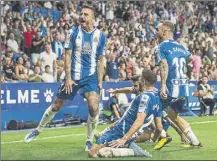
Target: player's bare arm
[
  {"x": 159, "y": 127},
  {"x": 135, "y": 127},
  {"x": 164, "y": 74},
  {"x": 101, "y": 71},
  {"x": 121, "y": 90},
  {"x": 68, "y": 83}
]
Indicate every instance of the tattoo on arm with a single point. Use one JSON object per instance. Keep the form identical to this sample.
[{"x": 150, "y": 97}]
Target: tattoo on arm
[
  {"x": 101, "y": 69},
  {"x": 68, "y": 62},
  {"x": 163, "y": 72}
]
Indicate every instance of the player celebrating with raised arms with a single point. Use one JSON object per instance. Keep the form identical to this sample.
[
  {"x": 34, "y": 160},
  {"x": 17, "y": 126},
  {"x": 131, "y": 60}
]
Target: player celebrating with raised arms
[{"x": 84, "y": 47}]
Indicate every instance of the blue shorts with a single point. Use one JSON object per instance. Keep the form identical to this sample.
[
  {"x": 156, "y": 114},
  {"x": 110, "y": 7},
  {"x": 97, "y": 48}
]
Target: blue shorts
[
  {"x": 87, "y": 84},
  {"x": 177, "y": 104},
  {"x": 109, "y": 136}
]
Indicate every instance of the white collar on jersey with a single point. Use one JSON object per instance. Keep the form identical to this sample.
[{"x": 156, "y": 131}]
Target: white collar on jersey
[{"x": 86, "y": 31}]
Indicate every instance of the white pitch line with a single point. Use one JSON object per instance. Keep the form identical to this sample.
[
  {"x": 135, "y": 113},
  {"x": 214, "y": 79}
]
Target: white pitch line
[
  {"x": 203, "y": 122},
  {"x": 63, "y": 136},
  {"x": 44, "y": 138}
]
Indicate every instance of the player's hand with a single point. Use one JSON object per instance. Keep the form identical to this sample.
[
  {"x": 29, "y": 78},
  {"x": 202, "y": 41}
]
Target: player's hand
[
  {"x": 117, "y": 143},
  {"x": 163, "y": 92},
  {"x": 68, "y": 86},
  {"x": 110, "y": 91}
]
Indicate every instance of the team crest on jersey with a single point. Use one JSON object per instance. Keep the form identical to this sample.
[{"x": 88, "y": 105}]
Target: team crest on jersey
[
  {"x": 95, "y": 39},
  {"x": 86, "y": 48}
]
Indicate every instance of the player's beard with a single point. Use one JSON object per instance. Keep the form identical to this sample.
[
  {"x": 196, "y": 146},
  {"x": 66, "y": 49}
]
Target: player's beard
[
  {"x": 86, "y": 25},
  {"x": 160, "y": 39}
]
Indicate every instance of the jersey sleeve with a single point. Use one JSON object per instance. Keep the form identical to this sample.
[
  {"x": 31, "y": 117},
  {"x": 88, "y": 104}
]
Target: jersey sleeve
[
  {"x": 70, "y": 39},
  {"x": 102, "y": 44},
  {"x": 159, "y": 112},
  {"x": 143, "y": 103},
  {"x": 159, "y": 54},
  {"x": 188, "y": 54}
]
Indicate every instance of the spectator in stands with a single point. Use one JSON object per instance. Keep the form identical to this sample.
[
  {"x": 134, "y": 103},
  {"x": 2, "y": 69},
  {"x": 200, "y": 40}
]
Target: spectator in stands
[
  {"x": 129, "y": 68},
  {"x": 122, "y": 71},
  {"x": 130, "y": 27},
  {"x": 36, "y": 76},
  {"x": 207, "y": 93},
  {"x": 28, "y": 35},
  {"x": 112, "y": 68},
  {"x": 57, "y": 46},
  {"x": 47, "y": 76},
  {"x": 19, "y": 70},
  {"x": 3, "y": 29},
  {"x": 11, "y": 43},
  {"x": 196, "y": 63},
  {"x": 209, "y": 50},
  {"x": 8, "y": 70},
  {"x": 48, "y": 58},
  {"x": 37, "y": 47},
  {"x": 17, "y": 33},
  {"x": 138, "y": 66},
  {"x": 28, "y": 71}
]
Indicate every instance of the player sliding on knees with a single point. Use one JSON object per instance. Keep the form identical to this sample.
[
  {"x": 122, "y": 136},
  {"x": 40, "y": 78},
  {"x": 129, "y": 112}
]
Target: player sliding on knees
[
  {"x": 84, "y": 47},
  {"x": 145, "y": 133},
  {"x": 144, "y": 105}
]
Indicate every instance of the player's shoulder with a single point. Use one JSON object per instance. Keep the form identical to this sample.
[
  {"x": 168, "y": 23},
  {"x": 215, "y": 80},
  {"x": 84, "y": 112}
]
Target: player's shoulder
[
  {"x": 143, "y": 97},
  {"x": 73, "y": 29}
]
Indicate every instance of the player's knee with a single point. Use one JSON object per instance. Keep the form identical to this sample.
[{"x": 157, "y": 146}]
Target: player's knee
[
  {"x": 93, "y": 108},
  {"x": 90, "y": 154},
  {"x": 93, "y": 152},
  {"x": 93, "y": 113},
  {"x": 58, "y": 103}
]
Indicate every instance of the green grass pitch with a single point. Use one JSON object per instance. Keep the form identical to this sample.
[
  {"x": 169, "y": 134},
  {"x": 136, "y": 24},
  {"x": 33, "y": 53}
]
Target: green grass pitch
[{"x": 68, "y": 144}]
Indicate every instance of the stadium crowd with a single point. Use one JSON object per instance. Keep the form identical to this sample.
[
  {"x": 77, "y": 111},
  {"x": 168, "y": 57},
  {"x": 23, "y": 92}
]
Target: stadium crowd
[{"x": 32, "y": 46}]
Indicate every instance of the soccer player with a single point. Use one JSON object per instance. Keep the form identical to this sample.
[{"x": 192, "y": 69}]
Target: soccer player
[
  {"x": 173, "y": 58},
  {"x": 144, "y": 105},
  {"x": 84, "y": 48}
]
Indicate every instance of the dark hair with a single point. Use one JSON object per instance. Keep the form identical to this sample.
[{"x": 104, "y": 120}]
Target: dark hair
[
  {"x": 135, "y": 78},
  {"x": 91, "y": 7},
  {"x": 149, "y": 77},
  {"x": 36, "y": 66},
  {"x": 18, "y": 58},
  {"x": 46, "y": 66}
]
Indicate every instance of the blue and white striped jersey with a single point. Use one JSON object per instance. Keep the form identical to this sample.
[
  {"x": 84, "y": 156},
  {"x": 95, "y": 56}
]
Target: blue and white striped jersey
[
  {"x": 147, "y": 102},
  {"x": 57, "y": 48},
  {"x": 176, "y": 56},
  {"x": 86, "y": 48}
]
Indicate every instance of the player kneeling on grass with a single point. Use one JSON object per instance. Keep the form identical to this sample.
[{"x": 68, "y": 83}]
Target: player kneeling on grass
[{"x": 144, "y": 105}]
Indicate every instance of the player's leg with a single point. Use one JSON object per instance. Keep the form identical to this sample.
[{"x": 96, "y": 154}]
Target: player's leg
[
  {"x": 51, "y": 111},
  {"x": 145, "y": 136},
  {"x": 166, "y": 104},
  {"x": 93, "y": 117},
  {"x": 47, "y": 117},
  {"x": 182, "y": 124},
  {"x": 90, "y": 92},
  {"x": 94, "y": 151}
]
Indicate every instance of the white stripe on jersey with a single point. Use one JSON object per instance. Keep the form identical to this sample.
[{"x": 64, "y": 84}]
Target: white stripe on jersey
[
  {"x": 68, "y": 38},
  {"x": 78, "y": 55},
  {"x": 175, "y": 91},
  {"x": 187, "y": 90},
  {"x": 95, "y": 45}
]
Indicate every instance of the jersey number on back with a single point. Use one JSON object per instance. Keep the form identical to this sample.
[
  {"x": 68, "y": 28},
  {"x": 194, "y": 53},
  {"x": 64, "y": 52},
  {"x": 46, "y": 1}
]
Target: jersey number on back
[{"x": 179, "y": 67}]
